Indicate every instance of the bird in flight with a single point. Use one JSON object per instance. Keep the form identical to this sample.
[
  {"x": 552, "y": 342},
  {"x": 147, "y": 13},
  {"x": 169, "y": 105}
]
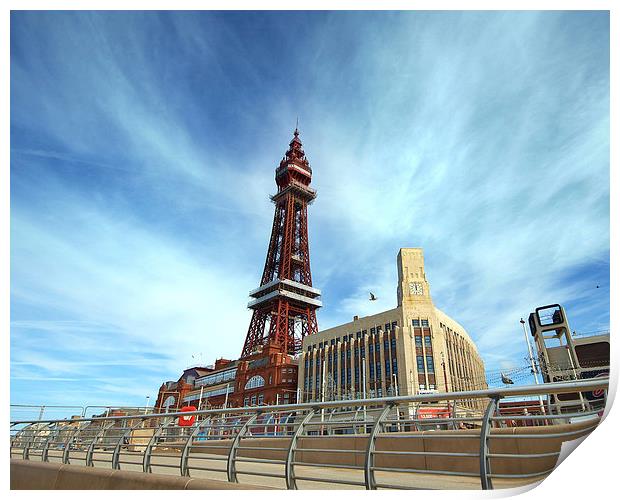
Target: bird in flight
[
  {"x": 372, "y": 296},
  {"x": 506, "y": 380}
]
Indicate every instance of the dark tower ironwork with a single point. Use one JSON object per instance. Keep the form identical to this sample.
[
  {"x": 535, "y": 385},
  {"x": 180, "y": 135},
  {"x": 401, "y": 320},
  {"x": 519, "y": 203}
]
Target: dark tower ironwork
[{"x": 285, "y": 303}]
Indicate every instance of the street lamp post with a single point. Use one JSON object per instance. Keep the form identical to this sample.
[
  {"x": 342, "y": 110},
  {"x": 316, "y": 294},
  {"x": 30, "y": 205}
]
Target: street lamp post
[{"x": 146, "y": 408}]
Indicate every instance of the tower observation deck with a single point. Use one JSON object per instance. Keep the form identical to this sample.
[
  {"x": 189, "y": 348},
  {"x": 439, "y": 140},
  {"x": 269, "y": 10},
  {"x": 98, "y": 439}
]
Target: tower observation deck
[{"x": 285, "y": 303}]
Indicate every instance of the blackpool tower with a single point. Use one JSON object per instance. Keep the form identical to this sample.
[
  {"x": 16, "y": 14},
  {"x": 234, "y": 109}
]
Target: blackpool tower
[{"x": 285, "y": 303}]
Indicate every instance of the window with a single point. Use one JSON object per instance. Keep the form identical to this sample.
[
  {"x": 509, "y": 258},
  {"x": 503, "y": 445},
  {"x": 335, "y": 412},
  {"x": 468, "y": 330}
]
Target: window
[
  {"x": 424, "y": 322},
  {"x": 431, "y": 386},
  {"x": 364, "y": 333},
  {"x": 420, "y": 361},
  {"x": 394, "y": 366},
  {"x": 254, "y": 400},
  {"x": 393, "y": 344},
  {"x": 415, "y": 322},
  {"x": 246, "y": 401},
  {"x": 387, "y": 327},
  {"x": 427, "y": 341},
  {"x": 394, "y": 324},
  {"x": 286, "y": 396},
  {"x": 290, "y": 370},
  {"x": 254, "y": 382},
  {"x": 373, "y": 330},
  {"x": 371, "y": 348},
  {"x": 337, "y": 339},
  {"x": 422, "y": 387},
  {"x": 418, "y": 341},
  {"x": 377, "y": 347},
  {"x": 261, "y": 398},
  {"x": 332, "y": 342},
  {"x": 363, "y": 351},
  {"x": 371, "y": 371},
  {"x": 358, "y": 335},
  {"x": 429, "y": 364}
]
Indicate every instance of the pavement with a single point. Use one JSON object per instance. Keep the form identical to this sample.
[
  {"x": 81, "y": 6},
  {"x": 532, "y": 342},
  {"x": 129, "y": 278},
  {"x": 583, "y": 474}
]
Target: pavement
[{"x": 264, "y": 474}]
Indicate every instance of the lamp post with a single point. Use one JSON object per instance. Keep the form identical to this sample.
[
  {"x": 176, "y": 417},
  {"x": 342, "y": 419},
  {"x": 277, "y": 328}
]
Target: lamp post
[
  {"x": 445, "y": 377},
  {"x": 146, "y": 408}
]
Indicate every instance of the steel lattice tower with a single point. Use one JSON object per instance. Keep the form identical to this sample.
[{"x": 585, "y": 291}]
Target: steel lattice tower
[{"x": 285, "y": 303}]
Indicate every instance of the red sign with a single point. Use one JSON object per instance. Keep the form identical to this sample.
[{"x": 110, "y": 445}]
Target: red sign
[{"x": 187, "y": 420}]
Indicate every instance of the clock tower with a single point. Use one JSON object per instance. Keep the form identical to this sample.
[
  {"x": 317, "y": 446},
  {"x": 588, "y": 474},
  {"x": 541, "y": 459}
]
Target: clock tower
[{"x": 413, "y": 288}]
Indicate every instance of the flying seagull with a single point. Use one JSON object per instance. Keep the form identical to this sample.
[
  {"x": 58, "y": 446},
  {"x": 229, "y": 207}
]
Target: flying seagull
[
  {"x": 372, "y": 296},
  {"x": 506, "y": 380}
]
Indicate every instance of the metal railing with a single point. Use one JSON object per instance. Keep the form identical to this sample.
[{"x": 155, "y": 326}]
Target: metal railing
[
  {"x": 24, "y": 412},
  {"x": 404, "y": 442}
]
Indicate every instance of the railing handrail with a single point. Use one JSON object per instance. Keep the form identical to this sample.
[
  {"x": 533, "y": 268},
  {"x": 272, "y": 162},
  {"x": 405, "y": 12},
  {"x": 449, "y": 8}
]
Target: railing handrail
[{"x": 498, "y": 392}]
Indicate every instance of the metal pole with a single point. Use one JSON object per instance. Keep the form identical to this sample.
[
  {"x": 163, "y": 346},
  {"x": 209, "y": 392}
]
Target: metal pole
[
  {"x": 364, "y": 387},
  {"x": 323, "y": 391},
  {"x": 202, "y": 388},
  {"x": 445, "y": 377},
  {"x": 395, "y": 384},
  {"x": 225, "y": 399},
  {"x": 532, "y": 364},
  {"x": 146, "y": 408},
  {"x": 485, "y": 431},
  {"x": 364, "y": 378}
]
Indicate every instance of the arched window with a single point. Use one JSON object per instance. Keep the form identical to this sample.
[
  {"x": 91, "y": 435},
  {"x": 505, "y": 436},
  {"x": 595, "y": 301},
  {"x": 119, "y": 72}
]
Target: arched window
[
  {"x": 254, "y": 382},
  {"x": 170, "y": 400}
]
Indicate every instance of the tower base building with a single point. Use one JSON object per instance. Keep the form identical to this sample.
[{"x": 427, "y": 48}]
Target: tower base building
[{"x": 411, "y": 349}]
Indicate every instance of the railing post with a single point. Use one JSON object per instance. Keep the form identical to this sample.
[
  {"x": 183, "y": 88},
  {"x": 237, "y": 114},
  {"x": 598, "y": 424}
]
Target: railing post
[
  {"x": 146, "y": 459},
  {"x": 119, "y": 445},
  {"x": 369, "y": 474},
  {"x": 46, "y": 445},
  {"x": 91, "y": 447},
  {"x": 67, "y": 450},
  {"x": 26, "y": 449},
  {"x": 185, "y": 453},
  {"x": 291, "y": 484},
  {"x": 232, "y": 453},
  {"x": 485, "y": 431}
]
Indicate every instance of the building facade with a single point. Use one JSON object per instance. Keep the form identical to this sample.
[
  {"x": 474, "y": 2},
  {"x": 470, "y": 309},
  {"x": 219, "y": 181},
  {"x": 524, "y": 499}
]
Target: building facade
[
  {"x": 412, "y": 348},
  {"x": 199, "y": 386}
]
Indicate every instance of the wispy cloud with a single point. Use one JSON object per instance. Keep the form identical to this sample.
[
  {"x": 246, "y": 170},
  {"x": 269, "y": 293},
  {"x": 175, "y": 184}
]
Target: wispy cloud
[{"x": 143, "y": 148}]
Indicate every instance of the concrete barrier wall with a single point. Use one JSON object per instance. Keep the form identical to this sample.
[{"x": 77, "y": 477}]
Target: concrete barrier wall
[
  {"x": 30, "y": 475},
  {"x": 454, "y": 442}
]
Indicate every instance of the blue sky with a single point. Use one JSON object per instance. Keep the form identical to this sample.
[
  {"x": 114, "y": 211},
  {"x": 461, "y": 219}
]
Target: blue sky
[{"x": 143, "y": 149}]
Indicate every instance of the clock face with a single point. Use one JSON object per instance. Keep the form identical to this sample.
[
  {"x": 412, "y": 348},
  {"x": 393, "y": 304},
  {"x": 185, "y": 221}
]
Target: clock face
[{"x": 416, "y": 288}]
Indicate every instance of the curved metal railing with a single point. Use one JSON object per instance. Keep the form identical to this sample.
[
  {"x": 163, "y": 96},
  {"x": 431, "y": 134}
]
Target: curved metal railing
[{"x": 405, "y": 442}]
